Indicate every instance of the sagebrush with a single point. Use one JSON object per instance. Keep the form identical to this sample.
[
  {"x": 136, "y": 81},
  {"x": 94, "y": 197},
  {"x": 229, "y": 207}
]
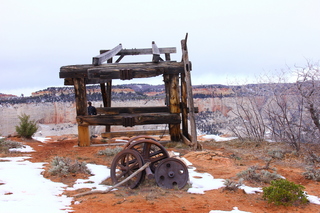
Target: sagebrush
[
  {"x": 65, "y": 166},
  {"x": 110, "y": 151},
  {"x": 26, "y": 127},
  {"x": 312, "y": 174},
  {"x": 5, "y": 145},
  {"x": 231, "y": 185},
  {"x": 254, "y": 174},
  {"x": 284, "y": 192}
]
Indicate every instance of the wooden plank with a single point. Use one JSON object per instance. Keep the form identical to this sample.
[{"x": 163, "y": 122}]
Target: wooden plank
[
  {"x": 131, "y": 110},
  {"x": 99, "y": 59},
  {"x": 69, "y": 81},
  {"x": 187, "y": 69},
  {"x": 134, "y": 133},
  {"x": 138, "y": 119},
  {"x": 81, "y": 109},
  {"x": 134, "y": 110},
  {"x": 143, "y": 51},
  {"x": 143, "y": 70},
  {"x": 174, "y": 106},
  {"x": 184, "y": 106},
  {"x": 112, "y": 71}
]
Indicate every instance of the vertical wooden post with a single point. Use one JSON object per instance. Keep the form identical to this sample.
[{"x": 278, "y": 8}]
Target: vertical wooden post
[
  {"x": 187, "y": 69},
  {"x": 184, "y": 106},
  {"x": 106, "y": 94},
  {"x": 81, "y": 107},
  {"x": 174, "y": 106}
]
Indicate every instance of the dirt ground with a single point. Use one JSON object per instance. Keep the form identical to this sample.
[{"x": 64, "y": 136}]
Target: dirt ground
[{"x": 220, "y": 159}]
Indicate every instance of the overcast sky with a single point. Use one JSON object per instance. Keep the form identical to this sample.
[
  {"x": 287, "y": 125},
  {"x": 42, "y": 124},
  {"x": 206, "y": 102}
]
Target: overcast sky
[{"x": 228, "y": 39}]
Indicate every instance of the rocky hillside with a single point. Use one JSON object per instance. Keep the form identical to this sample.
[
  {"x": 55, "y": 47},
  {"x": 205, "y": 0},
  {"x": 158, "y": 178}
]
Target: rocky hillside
[{"x": 54, "y": 107}]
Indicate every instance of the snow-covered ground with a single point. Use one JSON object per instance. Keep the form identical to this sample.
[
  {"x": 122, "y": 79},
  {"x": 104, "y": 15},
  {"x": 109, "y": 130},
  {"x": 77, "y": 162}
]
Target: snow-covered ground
[{"x": 24, "y": 189}]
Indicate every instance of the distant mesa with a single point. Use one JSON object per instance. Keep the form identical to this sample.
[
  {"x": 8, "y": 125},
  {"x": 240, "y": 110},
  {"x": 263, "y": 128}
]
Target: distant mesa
[{"x": 5, "y": 96}]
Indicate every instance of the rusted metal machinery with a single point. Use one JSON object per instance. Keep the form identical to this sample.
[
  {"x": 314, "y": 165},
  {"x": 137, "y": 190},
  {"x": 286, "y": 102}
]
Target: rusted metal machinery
[{"x": 169, "y": 172}]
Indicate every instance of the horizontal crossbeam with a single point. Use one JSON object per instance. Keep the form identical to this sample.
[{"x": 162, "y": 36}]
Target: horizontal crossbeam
[
  {"x": 144, "y": 51},
  {"x": 134, "y": 133},
  {"x": 137, "y": 119}
]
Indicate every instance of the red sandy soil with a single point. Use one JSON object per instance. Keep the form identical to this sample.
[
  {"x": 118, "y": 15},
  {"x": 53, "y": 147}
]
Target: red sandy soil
[{"x": 218, "y": 159}]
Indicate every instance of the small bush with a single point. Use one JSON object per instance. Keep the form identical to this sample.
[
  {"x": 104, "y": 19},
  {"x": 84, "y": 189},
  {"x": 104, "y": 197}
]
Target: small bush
[
  {"x": 284, "y": 192},
  {"x": 110, "y": 151},
  {"x": 252, "y": 175},
  {"x": 64, "y": 166},
  {"x": 26, "y": 127},
  {"x": 6, "y": 145},
  {"x": 277, "y": 154},
  {"x": 312, "y": 174},
  {"x": 232, "y": 185}
]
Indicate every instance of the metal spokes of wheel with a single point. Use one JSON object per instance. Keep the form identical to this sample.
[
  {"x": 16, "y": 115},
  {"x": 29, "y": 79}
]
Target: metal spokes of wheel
[
  {"x": 171, "y": 173},
  {"x": 124, "y": 164},
  {"x": 151, "y": 151}
]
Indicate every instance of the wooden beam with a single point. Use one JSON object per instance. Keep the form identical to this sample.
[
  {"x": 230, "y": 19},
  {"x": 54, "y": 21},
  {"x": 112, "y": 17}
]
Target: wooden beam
[
  {"x": 81, "y": 109},
  {"x": 187, "y": 69},
  {"x": 69, "y": 81},
  {"x": 131, "y": 110},
  {"x": 184, "y": 106},
  {"x": 141, "y": 70},
  {"x": 134, "y": 133},
  {"x": 99, "y": 59},
  {"x": 144, "y": 51},
  {"x": 112, "y": 71},
  {"x": 133, "y": 119},
  {"x": 174, "y": 106},
  {"x": 134, "y": 110}
]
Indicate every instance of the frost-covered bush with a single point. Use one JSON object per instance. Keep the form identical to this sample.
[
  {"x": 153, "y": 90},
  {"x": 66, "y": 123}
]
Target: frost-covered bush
[
  {"x": 26, "y": 127},
  {"x": 232, "y": 185},
  {"x": 312, "y": 174},
  {"x": 284, "y": 192},
  {"x": 110, "y": 151},
  {"x": 5, "y": 145},
  {"x": 278, "y": 154},
  {"x": 253, "y": 174},
  {"x": 64, "y": 166}
]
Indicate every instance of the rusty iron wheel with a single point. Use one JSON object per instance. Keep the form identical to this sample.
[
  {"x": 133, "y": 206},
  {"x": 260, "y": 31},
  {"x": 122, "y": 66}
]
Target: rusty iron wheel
[
  {"x": 151, "y": 151},
  {"x": 124, "y": 164},
  {"x": 137, "y": 138},
  {"x": 172, "y": 173}
]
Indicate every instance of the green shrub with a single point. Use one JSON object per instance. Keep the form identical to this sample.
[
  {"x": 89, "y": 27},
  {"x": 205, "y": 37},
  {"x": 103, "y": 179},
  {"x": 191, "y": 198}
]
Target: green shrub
[
  {"x": 253, "y": 174},
  {"x": 284, "y": 192},
  {"x": 26, "y": 127},
  {"x": 110, "y": 151},
  {"x": 64, "y": 166},
  {"x": 312, "y": 174},
  {"x": 5, "y": 145}
]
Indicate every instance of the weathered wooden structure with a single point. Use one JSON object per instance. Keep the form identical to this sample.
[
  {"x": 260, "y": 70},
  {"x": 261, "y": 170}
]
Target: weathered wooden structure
[{"x": 179, "y": 99}]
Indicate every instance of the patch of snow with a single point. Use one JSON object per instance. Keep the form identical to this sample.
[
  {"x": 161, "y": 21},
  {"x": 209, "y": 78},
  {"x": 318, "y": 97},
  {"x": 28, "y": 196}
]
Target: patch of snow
[
  {"x": 218, "y": 138},
  {"x": 41, "y": 139},
  {"x": 25, "y": 148},
  {"x": 24, "y": 189},
  {"x": 202, "y": 182},
  {"x": 251, "y": 190},
  {"x": 235, "y": 210},
  {"x": 313, "y": 199},
  {"x": 99, "y": 172}
]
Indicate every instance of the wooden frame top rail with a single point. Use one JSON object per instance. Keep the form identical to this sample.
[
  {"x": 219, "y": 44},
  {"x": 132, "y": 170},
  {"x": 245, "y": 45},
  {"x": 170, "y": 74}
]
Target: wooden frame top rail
[{"x": 143, "y": 51}]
